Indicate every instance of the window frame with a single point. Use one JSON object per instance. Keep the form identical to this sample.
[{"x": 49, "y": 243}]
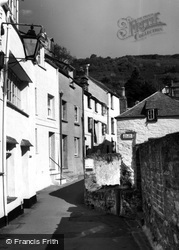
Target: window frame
[
  {"x": 89, "y": 102},
  {"x": 112, "y": 126},
  {"x": 76, "y": 115},
  {"x": 50, "y": 107},
  {"x": 13, "y": 89},
  {"x": 104, "y": 129},
  {"x": 112, "y": 101},
  {"x": 152, "y": 115},
  {"x": 64, "y": 110},
  {"x": 90, "y": 124},
  {"x": 76, "y": 146},
  {"x": 96, "y": 106}
]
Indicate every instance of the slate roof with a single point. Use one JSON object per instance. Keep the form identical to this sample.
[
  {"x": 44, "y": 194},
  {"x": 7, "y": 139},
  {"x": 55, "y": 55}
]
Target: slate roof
[{"x": 166, "y": 106}]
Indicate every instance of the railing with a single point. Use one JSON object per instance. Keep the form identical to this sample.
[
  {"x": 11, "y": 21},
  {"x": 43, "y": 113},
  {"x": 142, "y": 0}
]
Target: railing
[{"x": 55, "y": 164}]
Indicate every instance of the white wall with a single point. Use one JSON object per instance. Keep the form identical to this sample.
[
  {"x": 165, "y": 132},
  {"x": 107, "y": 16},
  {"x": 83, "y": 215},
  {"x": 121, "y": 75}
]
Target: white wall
[
  {"x": 46, "y": 82},
  {"x": 143, "y": 131}
]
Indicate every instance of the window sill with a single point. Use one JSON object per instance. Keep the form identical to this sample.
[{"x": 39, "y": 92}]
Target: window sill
[
  {"x": 11, "y": 105},
  {"x": 77, "y": 124},
  {"x": 151, "y": 121},
  {"x": 51, "y": 118},
  {"x": 72, "y": 86},
  {"x": 65, "y": 121},
  {"x": 42, "y": 67}
]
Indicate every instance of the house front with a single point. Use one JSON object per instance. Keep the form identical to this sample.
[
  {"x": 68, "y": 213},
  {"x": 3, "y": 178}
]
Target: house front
[
  {"x": 17, "y": 165},
  {"x": 101, "y": 105},
  {"x": 153, "y": 117},
  {"x": 47, "y": 130},
  {"x": 71, "y": 122}
]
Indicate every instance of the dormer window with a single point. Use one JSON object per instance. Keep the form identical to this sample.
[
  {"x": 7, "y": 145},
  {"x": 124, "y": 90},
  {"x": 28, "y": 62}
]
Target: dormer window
[{"x": 152, "y": 115}]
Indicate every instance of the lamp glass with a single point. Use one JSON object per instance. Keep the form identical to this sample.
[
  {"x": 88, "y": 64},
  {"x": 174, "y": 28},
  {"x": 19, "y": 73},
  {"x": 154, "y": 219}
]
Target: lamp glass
[{"x": 30, "y": 46}]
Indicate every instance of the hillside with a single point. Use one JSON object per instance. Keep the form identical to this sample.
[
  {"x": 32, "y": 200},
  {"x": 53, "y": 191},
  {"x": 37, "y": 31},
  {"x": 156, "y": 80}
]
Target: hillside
[{"x": 155, "y": 70}]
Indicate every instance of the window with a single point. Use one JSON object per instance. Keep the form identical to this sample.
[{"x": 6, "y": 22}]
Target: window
[
  {"x": 152, "y": 115},
  {"x": 103, "y": 109},
  {"x": 90, "y": 124},
  {"x": 64, "y": 151},
  {"x": 112, "y": 101},
  {"x": 14, "y": 9},
  {"x": 64, "y": 110},
  {"x": 40, "y": 57},
  {"x": 50, "y": 106},
  {"x": 76, "y": 109},
  {"x": 104, "y": 128},
  {"x": 13, "y": 89},
  {"x": 112, "y": 126},
  {"x": 96, "y": 106},
  {"x": 76, "y": 146},
  {"x": 89, "y": 102},
  {"x": 52, "y": 150},
  {"x": 71, "y": 83}
]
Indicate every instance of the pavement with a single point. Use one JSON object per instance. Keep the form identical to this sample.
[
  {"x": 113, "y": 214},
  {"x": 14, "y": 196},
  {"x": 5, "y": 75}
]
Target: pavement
[{"x": 60, "y": 211}]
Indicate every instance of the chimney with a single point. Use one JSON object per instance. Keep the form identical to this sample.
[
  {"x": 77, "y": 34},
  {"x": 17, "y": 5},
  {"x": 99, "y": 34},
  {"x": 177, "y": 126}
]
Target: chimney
[
  {"x": 123, "y": 101},
  {"x": 123, "y": 92},
  {"x": 87, "y": 69}
]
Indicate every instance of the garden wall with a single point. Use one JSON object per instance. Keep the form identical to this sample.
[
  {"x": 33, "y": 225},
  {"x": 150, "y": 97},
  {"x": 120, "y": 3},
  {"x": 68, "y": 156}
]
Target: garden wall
[{"x": 159, "y": 164}]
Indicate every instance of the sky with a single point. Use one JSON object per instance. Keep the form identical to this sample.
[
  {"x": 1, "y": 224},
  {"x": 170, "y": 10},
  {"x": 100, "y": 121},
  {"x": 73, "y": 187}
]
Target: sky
[{"x": 86, "y": 27}]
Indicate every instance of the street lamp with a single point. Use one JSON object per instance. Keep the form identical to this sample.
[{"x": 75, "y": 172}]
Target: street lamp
[{"x": 31, "y": 42}]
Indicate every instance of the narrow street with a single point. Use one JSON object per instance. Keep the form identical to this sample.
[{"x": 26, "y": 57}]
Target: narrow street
[{"x": 60, "y": 210}]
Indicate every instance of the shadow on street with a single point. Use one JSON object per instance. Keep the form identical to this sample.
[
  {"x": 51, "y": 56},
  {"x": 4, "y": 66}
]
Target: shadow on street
[
  {"x": 73, "y": 194},
  {"x": 86, "y": 228}
]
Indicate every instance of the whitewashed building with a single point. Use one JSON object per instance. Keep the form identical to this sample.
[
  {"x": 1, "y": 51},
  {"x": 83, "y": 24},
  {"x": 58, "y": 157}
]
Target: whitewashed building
[
  {"x": 101, "y": 106},
  {"x": 153, "y": 117},
  {"x": 17, "y": 165}
]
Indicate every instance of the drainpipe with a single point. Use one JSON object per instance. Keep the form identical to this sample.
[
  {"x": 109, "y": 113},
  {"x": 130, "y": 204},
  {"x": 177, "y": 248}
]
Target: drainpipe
[
  {"x": 83, "y": 131},
  {"x": 60, "y": 124},
  {"x": 4, "y": 122}
]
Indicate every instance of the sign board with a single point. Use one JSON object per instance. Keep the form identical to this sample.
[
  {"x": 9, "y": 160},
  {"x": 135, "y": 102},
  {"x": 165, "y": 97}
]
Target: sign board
[
  {"x": 127, "y": 136},
  {"x": 89, "y": 164}
]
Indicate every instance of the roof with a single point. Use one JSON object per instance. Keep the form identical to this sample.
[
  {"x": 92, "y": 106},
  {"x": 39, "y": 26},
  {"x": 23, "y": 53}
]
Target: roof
[
  {"x": 101, "y": 85},
  {"x": 166, "y": 106}
]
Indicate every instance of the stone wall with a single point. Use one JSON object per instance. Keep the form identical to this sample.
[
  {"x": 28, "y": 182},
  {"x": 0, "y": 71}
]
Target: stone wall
[
  {"x": 102, "y": 170},
  {"x": 159, "y": 164},
  {"x": 105, "y": 190},
  {"x": 102, "y": 177},
  {"x": 105, "y": 199}
]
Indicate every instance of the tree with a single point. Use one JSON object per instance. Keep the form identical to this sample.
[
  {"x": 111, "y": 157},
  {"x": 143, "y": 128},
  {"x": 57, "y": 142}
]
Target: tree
[
  {"x": 62, "y": 54},
  {"x": 137, "y": 88}
]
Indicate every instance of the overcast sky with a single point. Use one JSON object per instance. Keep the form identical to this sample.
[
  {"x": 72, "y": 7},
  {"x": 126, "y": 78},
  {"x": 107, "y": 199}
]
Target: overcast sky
[{"x": 88, "y": 27}]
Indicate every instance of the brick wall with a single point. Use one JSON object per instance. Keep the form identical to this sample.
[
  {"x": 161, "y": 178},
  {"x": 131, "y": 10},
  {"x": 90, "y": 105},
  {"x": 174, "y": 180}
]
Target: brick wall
[{"x": 159, "y": 164}]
